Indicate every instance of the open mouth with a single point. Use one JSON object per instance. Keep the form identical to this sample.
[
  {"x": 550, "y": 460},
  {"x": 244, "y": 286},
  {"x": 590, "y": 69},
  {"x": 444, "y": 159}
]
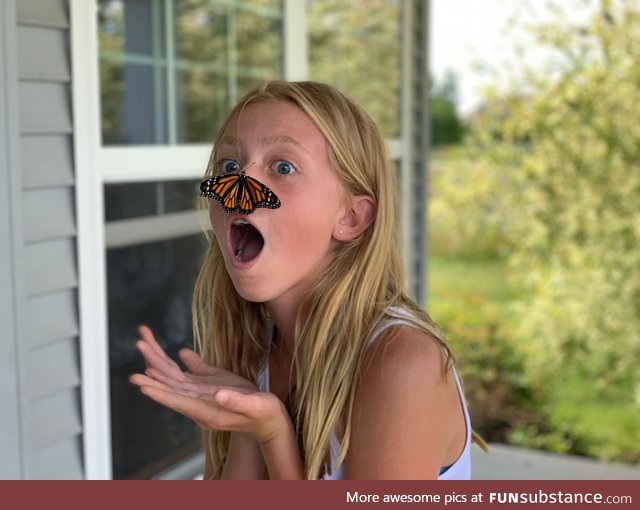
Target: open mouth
[{"x": 246, "y": 241}]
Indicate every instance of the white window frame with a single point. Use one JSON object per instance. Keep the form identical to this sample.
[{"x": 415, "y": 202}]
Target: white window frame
[{"x": 97, "y": 165}]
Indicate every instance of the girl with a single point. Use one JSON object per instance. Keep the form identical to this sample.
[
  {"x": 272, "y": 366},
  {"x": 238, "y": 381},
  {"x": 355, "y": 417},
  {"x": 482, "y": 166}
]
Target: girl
[{"x": 314, "y": 362}]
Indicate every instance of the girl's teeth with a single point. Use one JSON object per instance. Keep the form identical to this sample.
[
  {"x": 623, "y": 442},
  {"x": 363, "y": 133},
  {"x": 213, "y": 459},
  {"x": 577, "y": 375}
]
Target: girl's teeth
[{"x": 239, "y": 252}]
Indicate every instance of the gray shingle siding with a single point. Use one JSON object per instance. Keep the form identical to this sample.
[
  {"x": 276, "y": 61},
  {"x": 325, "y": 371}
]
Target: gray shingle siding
[{"x": 39, "y": 263}]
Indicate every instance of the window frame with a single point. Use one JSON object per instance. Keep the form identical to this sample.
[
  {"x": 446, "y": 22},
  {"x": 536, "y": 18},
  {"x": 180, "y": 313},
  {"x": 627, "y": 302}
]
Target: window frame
[{"x": 97, "y": 165}]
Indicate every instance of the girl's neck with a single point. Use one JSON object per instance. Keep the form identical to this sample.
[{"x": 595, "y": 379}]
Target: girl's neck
[
  {"x": 284, "y": 313},
  {"x": 284, "y": 309}
]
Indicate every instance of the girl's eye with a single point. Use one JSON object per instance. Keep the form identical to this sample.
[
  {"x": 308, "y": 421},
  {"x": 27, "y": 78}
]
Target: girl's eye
[
  {"x": 229, "y": 166},
  {"x": 283, "y": 168}
]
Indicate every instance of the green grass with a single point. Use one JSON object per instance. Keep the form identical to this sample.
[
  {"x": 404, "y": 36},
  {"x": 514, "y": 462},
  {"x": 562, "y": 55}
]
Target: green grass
[
  {"x": 465, "y": 294},
  {"x": 456, "y": 277},
  {"x": 469, "y": 289},
  {"x": 607, "y": 427}
]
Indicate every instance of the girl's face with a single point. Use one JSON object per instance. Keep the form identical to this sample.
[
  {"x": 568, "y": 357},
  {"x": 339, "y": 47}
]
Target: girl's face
[{"x": 278, "y": 254}]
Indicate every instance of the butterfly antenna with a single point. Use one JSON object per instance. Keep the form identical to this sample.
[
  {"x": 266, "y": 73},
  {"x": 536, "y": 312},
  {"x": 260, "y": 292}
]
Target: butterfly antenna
[{"x": 244, "y": 170}]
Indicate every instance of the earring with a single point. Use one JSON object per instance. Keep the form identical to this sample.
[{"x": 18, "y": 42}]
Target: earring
[{"x": 339, "y": 231}]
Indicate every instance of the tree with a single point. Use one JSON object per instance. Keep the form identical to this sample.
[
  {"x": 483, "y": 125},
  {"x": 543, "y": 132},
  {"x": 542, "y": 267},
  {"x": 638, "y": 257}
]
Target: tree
[
  {"x": 355, "y": 46},
  {"x": 575, "y": 209},
  {"x": 446, "y": 126}
]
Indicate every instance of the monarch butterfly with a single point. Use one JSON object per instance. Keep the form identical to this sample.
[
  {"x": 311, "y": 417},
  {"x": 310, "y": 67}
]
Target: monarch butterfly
[{"x": 239, "y": 192}]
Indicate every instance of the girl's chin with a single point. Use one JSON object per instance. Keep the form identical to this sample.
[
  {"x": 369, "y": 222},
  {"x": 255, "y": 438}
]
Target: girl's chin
[{"x": 251, "y": 292}]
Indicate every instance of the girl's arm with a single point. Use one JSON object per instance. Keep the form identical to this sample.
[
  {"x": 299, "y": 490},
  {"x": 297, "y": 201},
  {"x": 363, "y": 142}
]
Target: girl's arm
[
  {"x": 244, "y": 459},
  {"x": 220, "y": 400},
  {"x": 267, "y": 425},
  {"x": 281, "y": 454},
  {"x": 407, "y": 418}
]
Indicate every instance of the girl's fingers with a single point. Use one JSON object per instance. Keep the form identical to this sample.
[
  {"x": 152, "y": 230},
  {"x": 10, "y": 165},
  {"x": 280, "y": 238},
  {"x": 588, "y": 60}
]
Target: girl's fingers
[
  {"x": 159, "y": 375},
  {"x": 185, "y": 385},
  {"x": 194, "y": 408},
  {"x": 196, "y": 364},
  {"x": 149, "y": 338},
  {"x": 248, "y": 405},
  {"x": 142, "y": 380},
  {"x": 162, "y": 363}
]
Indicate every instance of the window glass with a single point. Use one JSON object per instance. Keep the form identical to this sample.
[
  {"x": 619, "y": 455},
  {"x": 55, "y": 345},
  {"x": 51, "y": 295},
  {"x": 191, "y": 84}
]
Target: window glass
[
  {"x": 151, "y": 284},
  {"x": 355, "y": 46},
  {"x": 139, "y": 199},
  {"x": 171, "y": 69}
]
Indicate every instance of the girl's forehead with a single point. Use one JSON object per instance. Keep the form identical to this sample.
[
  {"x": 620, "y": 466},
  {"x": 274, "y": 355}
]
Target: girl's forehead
[
  {"x": 268, "y": 110},
  {"x": 275, "y": 122}
]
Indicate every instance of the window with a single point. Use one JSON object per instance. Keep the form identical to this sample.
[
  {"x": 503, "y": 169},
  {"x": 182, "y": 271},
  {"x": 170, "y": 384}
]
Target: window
[
  {"x": 151, "y": 271},
  {"x": 171, "y": 69},
  {"x": 355, "y": 46},
  {"x": 169, "y": 72}
]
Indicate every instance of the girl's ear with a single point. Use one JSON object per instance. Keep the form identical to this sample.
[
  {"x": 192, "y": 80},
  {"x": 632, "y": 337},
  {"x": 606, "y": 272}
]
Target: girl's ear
[{"x": 358, "y": 216}]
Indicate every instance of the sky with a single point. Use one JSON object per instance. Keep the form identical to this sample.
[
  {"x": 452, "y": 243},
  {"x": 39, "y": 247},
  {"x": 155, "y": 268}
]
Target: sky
[{"x": 466, "y": 32}]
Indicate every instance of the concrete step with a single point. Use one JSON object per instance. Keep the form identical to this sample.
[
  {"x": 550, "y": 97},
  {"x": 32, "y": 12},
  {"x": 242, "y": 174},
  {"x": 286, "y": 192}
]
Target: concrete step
[{"x": 504, "y": 462}]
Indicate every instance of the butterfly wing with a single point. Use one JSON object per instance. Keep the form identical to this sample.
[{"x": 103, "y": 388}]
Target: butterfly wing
[
  {"x": 245, "y": 202},
  {"x": 259, "y": 195},
  {"x": 239, "y": 192},
  {"x": 224, "y": 189}
]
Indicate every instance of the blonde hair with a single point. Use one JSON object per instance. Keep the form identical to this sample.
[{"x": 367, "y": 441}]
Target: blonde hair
[{"x": 350, "y": 298}]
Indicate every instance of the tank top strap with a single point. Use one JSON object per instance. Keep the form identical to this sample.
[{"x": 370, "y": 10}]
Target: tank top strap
[{"x": 394, "y": 317}]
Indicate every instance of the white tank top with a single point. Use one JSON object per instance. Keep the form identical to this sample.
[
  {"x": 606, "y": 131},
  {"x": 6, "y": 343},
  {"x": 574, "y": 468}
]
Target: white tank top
[{"x": 459, "y": 470}]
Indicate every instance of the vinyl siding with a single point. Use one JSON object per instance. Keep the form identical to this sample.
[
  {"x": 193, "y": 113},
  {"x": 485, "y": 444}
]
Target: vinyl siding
[
  {"x": 50, "y": 344},
  {"x": 12, "y": 464},
  {"x": 47, "y": 161}
]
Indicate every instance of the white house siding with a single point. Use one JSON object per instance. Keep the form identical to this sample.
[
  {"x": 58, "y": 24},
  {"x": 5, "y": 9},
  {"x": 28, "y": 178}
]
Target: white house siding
[{"x": 46, "y": 379}]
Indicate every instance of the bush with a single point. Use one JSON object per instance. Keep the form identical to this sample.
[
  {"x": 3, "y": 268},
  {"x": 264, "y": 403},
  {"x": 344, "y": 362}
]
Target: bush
[
  {"x": 551, "y": 178},
  {"x": 501, "y": 398},
  {"x": 576, "y": 230}
]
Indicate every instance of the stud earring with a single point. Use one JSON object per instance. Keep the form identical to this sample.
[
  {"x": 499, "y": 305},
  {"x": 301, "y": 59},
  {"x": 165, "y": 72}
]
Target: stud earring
[{"x": 340, "y": 232}]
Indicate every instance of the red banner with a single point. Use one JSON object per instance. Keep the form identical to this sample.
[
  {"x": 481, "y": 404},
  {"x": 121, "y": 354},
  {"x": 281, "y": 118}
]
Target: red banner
[{"x": 184, "y": 495}]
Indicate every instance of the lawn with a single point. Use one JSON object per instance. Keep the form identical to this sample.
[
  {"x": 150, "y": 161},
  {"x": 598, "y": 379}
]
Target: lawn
[
  {"x": 468, "y": 297},
  {"x": 457, "y": 278}
]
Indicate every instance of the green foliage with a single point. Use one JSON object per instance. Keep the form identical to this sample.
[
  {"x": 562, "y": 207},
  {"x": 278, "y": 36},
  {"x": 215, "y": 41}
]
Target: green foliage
[
  {"x": 355, "y": 46},
  {"x": 446, "y": 125},
  {"x": 471, "y": 193},
  {"x": 469, "y": 300},
  {"x": 550, "y": 178},
  {"x": 576, "y": 227}
]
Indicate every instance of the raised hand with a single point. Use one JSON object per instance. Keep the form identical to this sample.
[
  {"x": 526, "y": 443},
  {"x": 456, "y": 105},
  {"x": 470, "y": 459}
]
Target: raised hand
[
  {"x": 163, "y": 369},
  {"x": 214, "y": 398}
]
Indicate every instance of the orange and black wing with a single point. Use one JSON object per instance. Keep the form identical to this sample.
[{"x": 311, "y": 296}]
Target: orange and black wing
[
  {"x": 239, "y": 193},
  {"x": 255, "y": 194},
  {"x": 223, "y": 188}
]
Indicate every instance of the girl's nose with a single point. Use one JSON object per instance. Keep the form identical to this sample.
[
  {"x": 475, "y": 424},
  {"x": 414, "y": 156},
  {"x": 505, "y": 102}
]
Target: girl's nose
[{"x": 247, "y": 168}]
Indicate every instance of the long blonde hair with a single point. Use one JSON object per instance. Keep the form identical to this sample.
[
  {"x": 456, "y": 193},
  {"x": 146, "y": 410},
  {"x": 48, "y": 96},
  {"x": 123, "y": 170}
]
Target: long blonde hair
[{"x": 336, "y": 319}]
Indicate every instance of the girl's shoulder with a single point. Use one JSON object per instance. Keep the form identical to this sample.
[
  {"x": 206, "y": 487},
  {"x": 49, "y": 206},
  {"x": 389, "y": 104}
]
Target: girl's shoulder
[
  {"x": 397, "y": 340},
  {"x": 402, "y": 354},
  {"x": 403, "y": 399}
]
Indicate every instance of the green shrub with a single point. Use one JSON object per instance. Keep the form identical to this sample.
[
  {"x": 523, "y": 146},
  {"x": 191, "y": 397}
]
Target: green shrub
[{"x": 551, "y": 179}]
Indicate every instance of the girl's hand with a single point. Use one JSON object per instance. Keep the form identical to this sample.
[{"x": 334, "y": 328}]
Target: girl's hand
[{"x": 214, "y": 398}]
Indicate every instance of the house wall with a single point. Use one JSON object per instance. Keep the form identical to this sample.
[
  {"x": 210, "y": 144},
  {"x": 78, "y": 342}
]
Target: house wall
[
  {"x": 41, "y": 390},
  {"x": 41, "y": 424}
]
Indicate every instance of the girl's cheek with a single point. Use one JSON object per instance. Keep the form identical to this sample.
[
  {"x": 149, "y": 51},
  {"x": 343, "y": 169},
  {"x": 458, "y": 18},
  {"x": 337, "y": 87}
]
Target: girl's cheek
[{"x": 215, "y": 219}]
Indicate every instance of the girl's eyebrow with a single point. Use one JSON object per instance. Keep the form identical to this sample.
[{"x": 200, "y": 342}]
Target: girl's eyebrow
[
  {"x": 227, "y": 140},
  {"x": 283, "y": 139},
  {"x": 269, "y": 140}
]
